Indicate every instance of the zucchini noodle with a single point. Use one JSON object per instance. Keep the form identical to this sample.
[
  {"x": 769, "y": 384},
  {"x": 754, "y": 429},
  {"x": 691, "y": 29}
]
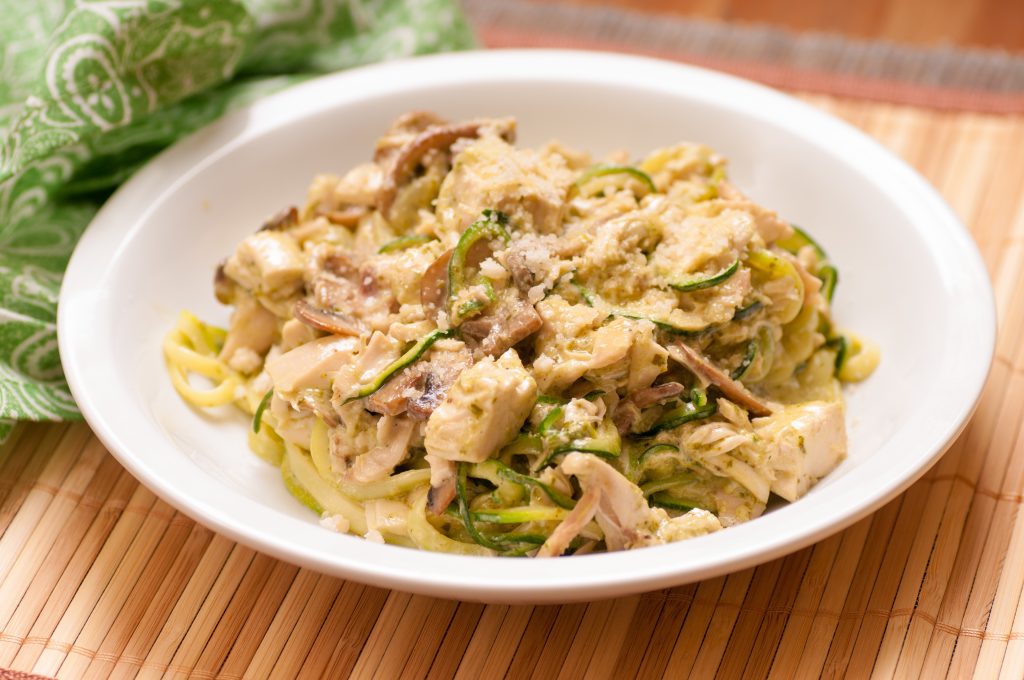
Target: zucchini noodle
[{"x": 468, "y": 347}]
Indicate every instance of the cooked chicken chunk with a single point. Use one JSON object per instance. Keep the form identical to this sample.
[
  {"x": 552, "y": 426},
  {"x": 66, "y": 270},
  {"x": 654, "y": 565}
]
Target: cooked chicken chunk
[
  {"x": 393, "y": 435},
  {"x": 267, "y": 263},
  {"x": 252, "y": 331},
  {"x": 528, "y": 187},
  {"x": 312, "y": 365},
  {"x": 692, "y": 244},
  {"x": 622, "y": 512},
  {"x": 483, "y": 410}
]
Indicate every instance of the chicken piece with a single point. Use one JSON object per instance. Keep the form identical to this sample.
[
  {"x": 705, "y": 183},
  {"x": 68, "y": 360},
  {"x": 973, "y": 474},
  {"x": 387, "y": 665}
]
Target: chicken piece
[
  {"x": 807, "y": 441},
  {"x": 612, "y": 343},
  {"x": 359, "y": 186},
  {"x": 267, "y": 263},
  {"x": 252, "y": 331},
  {"x": 561, "y": 347},
  {"x": 570, "y": 527},
  {"x": 528, "y": 187},
  {"x": 312, "y": 365},
  {"x": 622, "y": 511},
  {"x": 295, "y": 333},
  {"x": 291, "y": 425},
  {"x": 380, "y": 351},
  {"x": 393, "y": 437},
  {"x": 692, "y": 244},
  {"x": 511, "y": 321},
  {"x": 647, "y": 358},
  {"x": 483, "y": 410},
  {"x": 768, "y": 223}
]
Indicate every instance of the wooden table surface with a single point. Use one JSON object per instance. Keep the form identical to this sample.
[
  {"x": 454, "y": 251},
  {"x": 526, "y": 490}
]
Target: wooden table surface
[{"x": 982, "y": 23}]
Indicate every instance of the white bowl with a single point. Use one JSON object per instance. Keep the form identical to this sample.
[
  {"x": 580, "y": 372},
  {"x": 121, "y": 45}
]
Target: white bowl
[{"x": 910, "y": 278}]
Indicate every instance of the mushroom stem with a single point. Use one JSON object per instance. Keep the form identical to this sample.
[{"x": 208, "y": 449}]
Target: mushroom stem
[{"x": 702, "y": 367}]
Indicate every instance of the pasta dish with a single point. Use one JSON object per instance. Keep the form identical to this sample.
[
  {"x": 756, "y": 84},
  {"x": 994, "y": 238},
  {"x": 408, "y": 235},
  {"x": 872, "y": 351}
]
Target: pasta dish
[{"x": 471, "y": 347}]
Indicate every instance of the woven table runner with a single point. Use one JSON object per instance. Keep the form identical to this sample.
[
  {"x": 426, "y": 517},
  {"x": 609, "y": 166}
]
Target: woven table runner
[{"x": 99, "y": 578}]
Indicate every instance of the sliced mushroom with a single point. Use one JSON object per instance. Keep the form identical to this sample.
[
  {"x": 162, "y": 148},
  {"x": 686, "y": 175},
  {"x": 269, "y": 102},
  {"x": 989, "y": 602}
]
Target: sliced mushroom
[
  {"x": 419, "y": 389},
  {"x": 657, "y": 393},
  {"x": 434, "y": 284},
  {"x": 326, "y": 320},
  {"x": 393, "y": 398},
  {"x": 440, "y": 374},
  {"x": 528, "y": 259},
  {"x": 402, "y": 130},
  {"x": 224, "y": 287},
  {"x": 346, "y": 216},
  {"x": 433, "y": 138},
  {"x": 522, "y": 275},
  {"x": 433, "y": 392},
  {"x": 442, "y": 484},
  {"x": 282, "y": 221},
  {"x": 626, "y": 415},
  {"x": 512, "y": 321},
  {"x": 702, "y": 367}
]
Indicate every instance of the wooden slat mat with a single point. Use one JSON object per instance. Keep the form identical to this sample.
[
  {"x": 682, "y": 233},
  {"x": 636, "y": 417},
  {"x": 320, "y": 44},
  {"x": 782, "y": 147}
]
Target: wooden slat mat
[{"x": 100, "y": 579}]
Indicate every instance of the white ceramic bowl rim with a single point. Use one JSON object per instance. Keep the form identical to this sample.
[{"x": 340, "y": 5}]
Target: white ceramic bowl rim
[{"x": 234, "y": 514}]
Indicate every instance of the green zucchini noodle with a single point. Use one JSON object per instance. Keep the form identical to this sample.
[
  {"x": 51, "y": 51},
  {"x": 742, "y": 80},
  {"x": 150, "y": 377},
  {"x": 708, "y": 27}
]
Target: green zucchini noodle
[{"x": 468, "y": 347}]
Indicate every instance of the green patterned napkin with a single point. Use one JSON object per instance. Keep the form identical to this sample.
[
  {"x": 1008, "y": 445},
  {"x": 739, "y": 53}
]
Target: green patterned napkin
[{"x": 91, "y": 89}]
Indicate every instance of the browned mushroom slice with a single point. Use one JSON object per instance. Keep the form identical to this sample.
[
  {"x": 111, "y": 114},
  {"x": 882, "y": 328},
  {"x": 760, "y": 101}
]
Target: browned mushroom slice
[
  {"x": 438, "y": 376},
  {"x": 433, "y": 138},
  {"x": 393, "y": 398},
  {"x": 224, "y": 287},
  {"x": 523, "y": 259},
  {"x": 512, "y": 321},
  {"x": 522, "y": 276},
  {"x": 702, "y": 367},
  {"x": 326, "y": 320},
  {"x": 419, "y": 389},
  {"x": 442, "y": 484},
  {"x": 282, "y": 221},
  {"x": 626, "y": 415},
  {"x": 346, "y": 216},
  {"x": 656, "y": 393},
  {"x": 402, "y": 130},
  {"x": 339, "y": 262},
  {"x": 434, "y": 284}
]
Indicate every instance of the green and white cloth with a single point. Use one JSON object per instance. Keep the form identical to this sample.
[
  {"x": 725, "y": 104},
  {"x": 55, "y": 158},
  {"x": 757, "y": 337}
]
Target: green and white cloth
[{"x": 91, "y": 89}]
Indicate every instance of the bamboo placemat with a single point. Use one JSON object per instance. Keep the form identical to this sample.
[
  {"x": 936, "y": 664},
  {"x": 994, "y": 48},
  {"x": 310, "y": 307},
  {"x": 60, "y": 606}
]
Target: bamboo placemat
[{"x": 100, "y": 579}]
